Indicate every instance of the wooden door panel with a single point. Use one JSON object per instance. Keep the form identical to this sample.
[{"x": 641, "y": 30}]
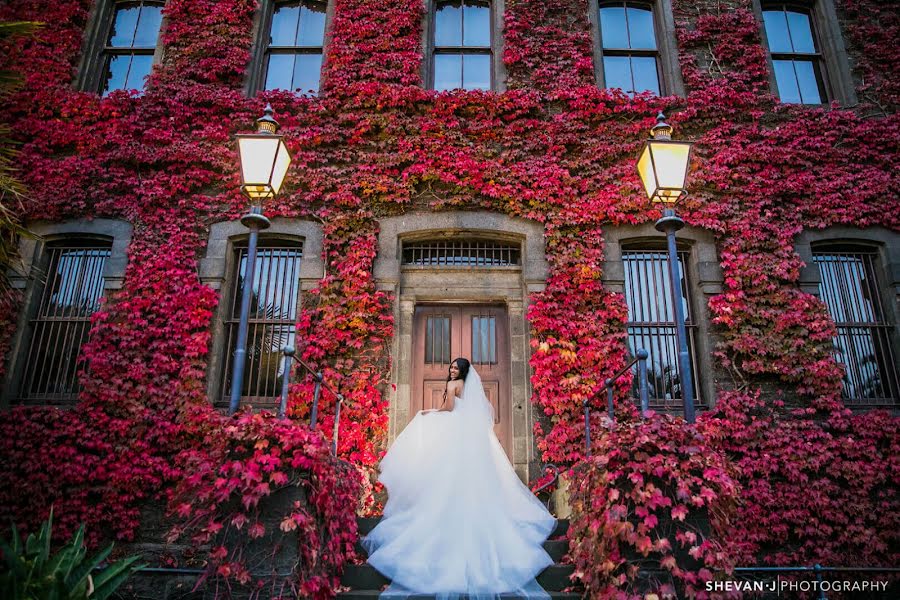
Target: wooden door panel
[
  {"x": 492, "y": 391},
  {"x": 442, "y": 333}
]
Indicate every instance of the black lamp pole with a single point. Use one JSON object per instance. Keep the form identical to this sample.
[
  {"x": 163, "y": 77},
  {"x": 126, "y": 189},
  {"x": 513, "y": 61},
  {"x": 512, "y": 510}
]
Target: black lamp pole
[{"x": 669, "y": 224}]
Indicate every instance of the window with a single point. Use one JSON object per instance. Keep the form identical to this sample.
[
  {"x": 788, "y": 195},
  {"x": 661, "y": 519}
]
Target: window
[
  {"x": 72, "y": 287},
  {"x": 796, "y": 54},
  {"x": 462, "y": 54},
  {"x": 293, "y": 54},
  {"x": 651, "y": 323},
  {"x": 130, "y": 42},
  {"x": 461, "y": 253},
  {"x": 272, "y": 324},
  {"x": 628, "y": 47},
  {"x": 849, "y": 288}
]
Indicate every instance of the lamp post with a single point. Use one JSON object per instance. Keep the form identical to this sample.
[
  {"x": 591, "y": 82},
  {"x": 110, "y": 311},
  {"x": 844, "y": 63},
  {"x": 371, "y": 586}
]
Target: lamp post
[
  {"x": 663, "y": 166},
  {"x": 264, "y": 162}
]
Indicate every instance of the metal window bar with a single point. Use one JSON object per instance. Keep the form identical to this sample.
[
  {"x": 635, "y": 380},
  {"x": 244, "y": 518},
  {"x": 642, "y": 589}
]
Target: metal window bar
[
  {"x": 651, "y": 324},
  {"x": 71, "y": 294},
  {"x": 462, "y": 253},
  {"x": 272, "y": 322},
  {"x": 850, "y": 291}
]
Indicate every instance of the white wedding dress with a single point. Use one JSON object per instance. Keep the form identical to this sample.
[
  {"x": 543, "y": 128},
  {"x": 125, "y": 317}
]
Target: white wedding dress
[{"x": 458, "y": 521}]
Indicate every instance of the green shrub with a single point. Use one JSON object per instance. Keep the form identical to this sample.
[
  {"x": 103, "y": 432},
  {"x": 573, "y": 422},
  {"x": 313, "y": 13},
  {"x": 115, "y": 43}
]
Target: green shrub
[{"x": 30, "y": 572}]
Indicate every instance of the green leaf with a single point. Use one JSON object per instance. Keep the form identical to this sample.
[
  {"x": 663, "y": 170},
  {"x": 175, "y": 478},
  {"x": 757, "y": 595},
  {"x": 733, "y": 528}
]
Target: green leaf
[{"x": 111, "y": 578}]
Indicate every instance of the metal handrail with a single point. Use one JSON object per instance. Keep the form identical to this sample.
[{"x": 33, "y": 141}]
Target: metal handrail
[
  {"x": 289, "y": 355},
  {"x": 640, "y": 357}
]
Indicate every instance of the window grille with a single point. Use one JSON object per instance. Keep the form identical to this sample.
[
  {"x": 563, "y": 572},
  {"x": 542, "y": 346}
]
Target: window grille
[
  {"x": 651, "y": 323},
  {"x": 128, "y": 54},
  {"x": 796, "y": 57},
  {"x": 71, "y": 294},
  {"x": 863, "y": 343},
  {"x": 272, "y": 323},
  {"x": 484, "y": 340},
  {"x": 437, "y": 340},
  {"x": 293, "y": 58},
  {"x": 629, "y": 46},
  {"x": 462, "y": 57},
  {"x": 461, "y": 253}
]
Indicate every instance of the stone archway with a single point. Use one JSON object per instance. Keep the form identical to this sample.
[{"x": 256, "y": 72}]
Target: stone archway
[{"x": 508, "y": 286}]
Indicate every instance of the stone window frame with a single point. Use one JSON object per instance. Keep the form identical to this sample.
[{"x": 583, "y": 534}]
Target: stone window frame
[
  {"x": 827, "y": 31},
  {"x": 33, "y": 253},
  {"x": 704, "y": 274},
  {"x": 218, "y": 265},
  {"x": 887, "y": 246},
  {"x": 498, "y": 68},
  {"x": 671, "y": 82},
  {"x": 262, "y": 25},
  {"x": 94, "y": 41}
]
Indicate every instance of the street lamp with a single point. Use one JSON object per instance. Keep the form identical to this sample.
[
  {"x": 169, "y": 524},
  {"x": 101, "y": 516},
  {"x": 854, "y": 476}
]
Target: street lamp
[
  {"x": 264, "y": 163},
  {"x": 663, "y": 166}
]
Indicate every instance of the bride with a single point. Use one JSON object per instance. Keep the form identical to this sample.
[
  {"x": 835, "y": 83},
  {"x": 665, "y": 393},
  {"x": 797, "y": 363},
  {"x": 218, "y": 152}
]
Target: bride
[{"x": 458, "y": 521}]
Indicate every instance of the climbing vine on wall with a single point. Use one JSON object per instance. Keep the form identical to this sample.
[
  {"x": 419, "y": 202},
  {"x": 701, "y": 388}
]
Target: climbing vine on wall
[{"x": 554, "y": 149}]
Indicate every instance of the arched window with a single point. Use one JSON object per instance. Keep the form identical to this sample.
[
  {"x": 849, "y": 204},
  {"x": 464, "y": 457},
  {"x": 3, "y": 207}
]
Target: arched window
[
  {"x": 274, "y": 305},
  {"x": 850, "y": 289},
  {"x": 651, "y": 321},
  {"x": 295, "y": 44},
  {"x": 462, "y": 54},
  {"x": 70, "y": 275},
  {"x": 130, "y": 42},
  {"x": 629, "y": 46}
]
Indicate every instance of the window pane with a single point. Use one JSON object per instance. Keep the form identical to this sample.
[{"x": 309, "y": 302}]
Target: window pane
[
  {"x": 284, "y": 25},
  {"x": 448, "y": 24},
  {"x": 140, "y": 68},
  {"x": 640, "y": 28},
  {"x": 645, "y": 74},
  {"x": 477, "y": 71},
  {"x": 122, "y": 33},
  {"x": 788, "y": 92},
  {"x": 312, "y": 25},
  {"x": 280, "y": 71},
  {"x": 777, "y": 31},
  {"x": 801, "y": 32},
  {"x": 447, "y": 71},
  {"x": 617, "y": 72},
  {"x": 306, "y": 72},
  {"x": 613, "y": 28},
  {"x": 148, "y": 26},
  {"x": 807, "y": 81},
  {"x": 477, "y": 25},
  {"x": 116, "y": 72}
]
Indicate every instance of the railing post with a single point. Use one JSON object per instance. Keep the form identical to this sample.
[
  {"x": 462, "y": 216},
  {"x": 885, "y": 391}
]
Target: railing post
[
  {"x": 315, "y": 406},
  {"x": 818, "y": 570},
  {"x": 337, "y": 422},
  {"x": 587, "y": 428},
  {"x": 609, "y": 399},
  {"x": 642, "y": 356},
  {"x": 285, "y": 380}
]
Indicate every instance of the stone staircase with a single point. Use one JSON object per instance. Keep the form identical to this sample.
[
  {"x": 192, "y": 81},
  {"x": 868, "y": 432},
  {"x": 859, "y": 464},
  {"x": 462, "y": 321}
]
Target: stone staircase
[{"x": 366, "y": 583}]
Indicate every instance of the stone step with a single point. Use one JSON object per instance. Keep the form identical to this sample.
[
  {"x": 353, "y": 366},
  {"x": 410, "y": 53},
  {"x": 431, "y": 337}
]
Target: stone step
[
  {"x": 554, "y": 578},
  {"x": 367, "y": 524},
  {"x": 373, "y": 595},
  {"x": 555, "y": 548}
]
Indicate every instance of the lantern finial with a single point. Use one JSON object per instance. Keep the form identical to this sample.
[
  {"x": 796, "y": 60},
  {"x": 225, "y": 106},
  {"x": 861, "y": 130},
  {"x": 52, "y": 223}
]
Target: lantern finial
[
  {"x": 267, "y": 123},
  {"x": 662, "y": 130}
]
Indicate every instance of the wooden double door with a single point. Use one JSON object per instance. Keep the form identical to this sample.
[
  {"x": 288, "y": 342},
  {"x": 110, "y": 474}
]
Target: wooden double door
[{"x": 479, "y": 333}]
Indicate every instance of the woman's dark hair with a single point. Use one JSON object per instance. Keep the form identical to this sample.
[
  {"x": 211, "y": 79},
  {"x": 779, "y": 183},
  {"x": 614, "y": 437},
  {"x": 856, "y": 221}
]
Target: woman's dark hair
[{"x": 463, "y": 366}]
